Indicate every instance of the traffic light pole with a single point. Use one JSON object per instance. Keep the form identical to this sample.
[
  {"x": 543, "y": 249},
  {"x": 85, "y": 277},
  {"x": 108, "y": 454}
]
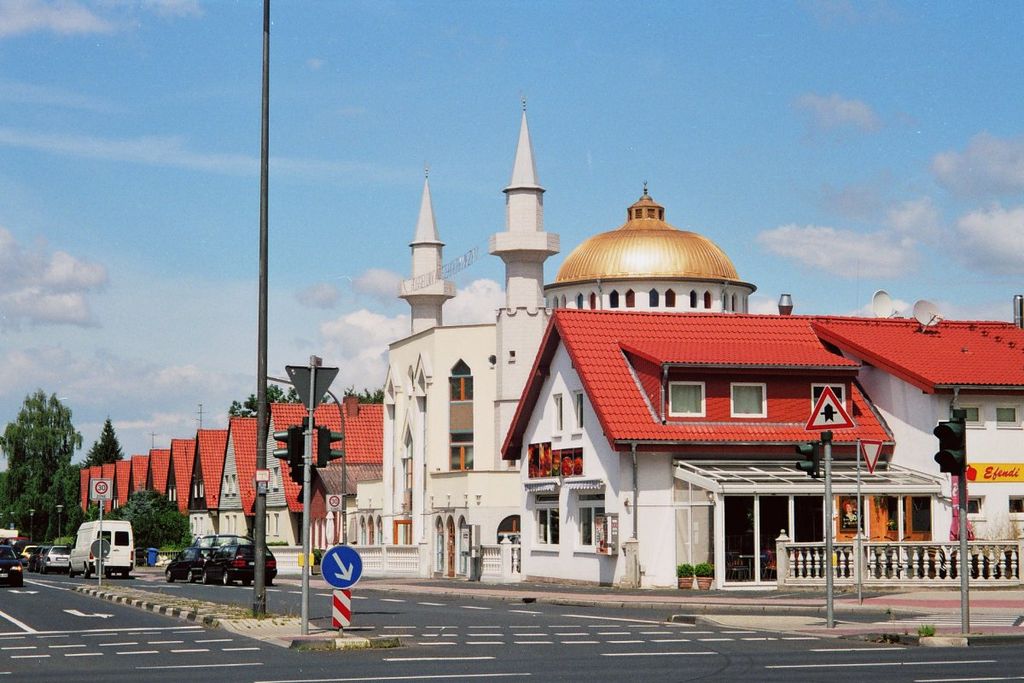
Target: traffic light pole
[
  {"x": 965, "y": 602},
  {"x": 314, "y": 363},
  {"x": 826, "y": 441}
]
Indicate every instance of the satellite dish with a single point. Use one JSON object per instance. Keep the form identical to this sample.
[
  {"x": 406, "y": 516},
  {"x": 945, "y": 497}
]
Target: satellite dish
[
  {"x": 926, "y": 313},
  {"x": 881, "y": 304}
]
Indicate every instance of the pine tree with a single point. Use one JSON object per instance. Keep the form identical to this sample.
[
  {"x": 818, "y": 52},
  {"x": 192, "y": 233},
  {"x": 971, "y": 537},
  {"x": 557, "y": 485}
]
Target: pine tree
[{"x": 107, "y": 449}]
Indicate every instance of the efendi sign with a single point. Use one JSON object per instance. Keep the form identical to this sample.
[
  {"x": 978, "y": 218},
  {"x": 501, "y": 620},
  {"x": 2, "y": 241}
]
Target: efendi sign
[{"x": 995, "y": 472}]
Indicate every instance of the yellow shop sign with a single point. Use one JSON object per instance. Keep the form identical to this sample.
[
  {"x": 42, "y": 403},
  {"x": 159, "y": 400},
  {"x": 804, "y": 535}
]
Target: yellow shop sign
[{"x": 995, "y": 472}]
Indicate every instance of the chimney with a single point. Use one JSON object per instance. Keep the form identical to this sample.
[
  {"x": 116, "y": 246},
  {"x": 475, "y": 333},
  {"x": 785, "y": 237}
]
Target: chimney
[
  {"x": 785, "y": 305},
  {"x": 1018, "y": 310},
  {"x": 351, "y": 404}
]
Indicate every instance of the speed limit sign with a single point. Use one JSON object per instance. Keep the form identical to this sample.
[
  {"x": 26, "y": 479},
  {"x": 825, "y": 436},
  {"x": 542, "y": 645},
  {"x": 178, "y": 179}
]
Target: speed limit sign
[
  {"x": 101, "y": 489},
  {"x": 334, "y": 502}
]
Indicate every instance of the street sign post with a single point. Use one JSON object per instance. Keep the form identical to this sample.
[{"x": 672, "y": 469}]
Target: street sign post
[
  {"x": 828, "y": 413},
  {"x": 871, "y": 450},
  {"x": 101, "y": 489},
  {"x": 334, "y": 502},
  {"x": 341, "y": 566},
  {"x": 341, "y": 609}
]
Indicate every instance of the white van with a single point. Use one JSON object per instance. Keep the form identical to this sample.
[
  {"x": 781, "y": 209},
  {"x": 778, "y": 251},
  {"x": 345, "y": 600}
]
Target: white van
[{"x": 122, "y": 548}]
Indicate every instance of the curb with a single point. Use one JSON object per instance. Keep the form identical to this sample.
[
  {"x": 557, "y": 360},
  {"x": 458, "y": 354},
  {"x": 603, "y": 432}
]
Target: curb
[{"x": 185, "y": 614}]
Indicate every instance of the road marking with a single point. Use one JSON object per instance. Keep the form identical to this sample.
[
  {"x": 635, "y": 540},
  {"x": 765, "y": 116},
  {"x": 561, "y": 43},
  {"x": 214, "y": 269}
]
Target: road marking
[
  {"x": 529, "y": 635},
  {"x": 655, "y": 654},
  {"x": 622, "y": 642},
  {"x": 118, "y": 644},
  {"x": 164, "y": 642},
  {"x": 65, "y": 647},
  {"x": 525, "y": 611},
  {"x": 670, "y": 640},
  {"x": 799, "y": 637},
  {"x": 19, "y": 647},
  {"x": 714, "y": 640},
  {"x": 391, "y": 600},
  {"x": 200, "y": 666},
  {"x": 855, "y": 649},
  {"x": 424, "y": 659},
  {"x": 607, "y": 619},
  {"x": 964, "y": 680},
  {"x": 138, "y": 652},
  {"x": 738, "y": 632},
  {"x": 486, "y": 635},
  {"x": 431, "y": 604},
  {"x": 193, "y": 649},
  {"x": 214, "y": 640},
  {"x": 949, "y": 662},
  {"x": 83, "y": 654},
  {"x": 468, "y": 627},
  {"x": 437, "y": 642},
  {"x": 655, "y": 633},
  {"x": 20, "y": 624},
  {"x": 78, "y": 613},
  {"x": 239, "y": 649},
  {"x": 579, "y": 642},
  {"x": 613, "y": 633},
  {"x": 30, "y": 656},
  {"x": 473, "y": 607},
  {"x": 571, "y": 634},
  {"x": 758, "y": 638},
  {"x": 485, "y": 642},
  {"x": 533, "y": 642}
]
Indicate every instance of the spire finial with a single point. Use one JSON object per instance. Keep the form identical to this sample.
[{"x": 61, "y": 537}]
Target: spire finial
[
  {"x": 426, "y": 170},
  {"x": 522, "y": 98},
  {"x": 645, "y": 189}
]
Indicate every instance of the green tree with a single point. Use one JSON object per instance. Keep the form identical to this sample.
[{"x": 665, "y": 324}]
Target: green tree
[
  {"x": 39, "y": 445},
  {"x": 366, "y": 395},
  {"x": 275, "y": 394},
  {"x": 106, "y": 450},
  {"x": 155, "y": 520}
]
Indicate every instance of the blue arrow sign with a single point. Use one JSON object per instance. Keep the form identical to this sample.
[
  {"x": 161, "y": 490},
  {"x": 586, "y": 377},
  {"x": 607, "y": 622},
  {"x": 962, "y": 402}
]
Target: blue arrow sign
[{"x": 341, "y": 566}]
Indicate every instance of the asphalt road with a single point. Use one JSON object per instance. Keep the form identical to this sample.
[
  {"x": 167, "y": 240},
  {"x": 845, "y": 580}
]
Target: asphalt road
[{"x": 48, "y": 632}]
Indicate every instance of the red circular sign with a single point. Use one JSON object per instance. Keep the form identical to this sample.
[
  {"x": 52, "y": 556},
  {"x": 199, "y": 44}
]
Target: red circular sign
[{"x": 100, "y": 487}]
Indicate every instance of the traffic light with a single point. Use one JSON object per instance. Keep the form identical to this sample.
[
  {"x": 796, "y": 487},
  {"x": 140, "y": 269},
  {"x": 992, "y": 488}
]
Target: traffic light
[
  {"x": 294, "y": 444},
  {"x": 810, "y": 458},
  {"x": 952, "y": 455},
  {"x": 324, "y": 454}
]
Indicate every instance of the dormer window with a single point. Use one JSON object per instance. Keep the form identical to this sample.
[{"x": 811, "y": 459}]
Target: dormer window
[
  {"x": 686, "y": 399},
  {"x": 748, "y": 400}
]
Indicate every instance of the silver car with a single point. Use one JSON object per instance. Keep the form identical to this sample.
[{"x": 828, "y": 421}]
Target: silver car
[{"x": 56, "y": 559}]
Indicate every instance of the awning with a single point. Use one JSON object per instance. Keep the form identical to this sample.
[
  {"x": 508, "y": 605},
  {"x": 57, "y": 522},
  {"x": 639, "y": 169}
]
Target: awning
[
  {"x": 584, "y": 484},
  {"x": 541, "y": 486},
  {"x": 762, "y": 477}
]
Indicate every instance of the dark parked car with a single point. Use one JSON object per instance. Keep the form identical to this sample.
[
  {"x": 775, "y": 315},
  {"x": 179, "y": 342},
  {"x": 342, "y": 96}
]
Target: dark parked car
[
  {"x": 236, "y": 562},
  {"x": 217, "y": 540},
  {"x": 10, "y": 567},
  {"x": 56, "y": 559},
  {"x": 188, "y": 564},
  {"x": 33, "y": 559}
]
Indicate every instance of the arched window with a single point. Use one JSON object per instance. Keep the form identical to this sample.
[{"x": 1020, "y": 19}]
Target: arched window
[
  {"x": 460, "y": 417},
  {"x": 725, "y": 302},
  {"x": 563, "y": 301},
  {"x": 509, "y": 528},
  {"x": 579, "y": 301},
  {"x": 707, "y": 299},
  {"x": 693, "y": 298},
  {"x": 670, "y": 299},
  {"x": 593, "y": 301},
  {"x": 733, "y": 307},
  {"x": 362, "y": 531},
  {"x": 371, "y": 537},
  {"x": 380, "y": 531},
  {"x": 652, "y": 298},
  {"x": 613, "y": 299},
  {"x": 630, "y": 299}
]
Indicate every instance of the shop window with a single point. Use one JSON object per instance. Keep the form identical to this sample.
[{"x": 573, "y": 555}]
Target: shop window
[
  {"x": 921, "y": 517},
  {"x": 630, "y": 298},
  {"x": 613, "y": 299},
  {"x": 577, "y": 405},
  {"x": 568, "y": 461},
  {"x": 1006, "y": 416},
  {"x": 652, "y": 298},
  {"x": 590, "y": 505},
  {"x": 559, "y": 420},
  {"x": 461, "y": 417},
  {"x": 748, "y": 400},
  {"x": 686, "y": 399},
  {"x": 547, "y": 519},
  {"x": 539, "y": 461},
  {"x": 670, "y": 299}
]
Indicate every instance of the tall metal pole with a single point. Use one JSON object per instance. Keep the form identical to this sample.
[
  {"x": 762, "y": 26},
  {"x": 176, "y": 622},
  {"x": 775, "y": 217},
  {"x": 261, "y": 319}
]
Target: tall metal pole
[
  {"x": 344, "y": 481},
  {"x": 314, "y": 363},
  {"x": 965, "y": 602},
  {"x": 99, "y": 560},
  {"x": 826, "y": 440},
  {"x": 860, "y": 525},
  {"x": 259, "y": 595}
]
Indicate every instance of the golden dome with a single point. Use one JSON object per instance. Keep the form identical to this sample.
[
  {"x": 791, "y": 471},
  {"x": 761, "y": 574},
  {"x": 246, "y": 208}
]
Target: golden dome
[{"x": 646, "y": 247}]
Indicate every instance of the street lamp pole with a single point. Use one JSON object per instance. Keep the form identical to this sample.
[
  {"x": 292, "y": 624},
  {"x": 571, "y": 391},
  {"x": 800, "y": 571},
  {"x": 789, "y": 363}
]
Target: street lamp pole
[
  {"x": 32, "y": 523},
  {"x": 60, "y": 529}
]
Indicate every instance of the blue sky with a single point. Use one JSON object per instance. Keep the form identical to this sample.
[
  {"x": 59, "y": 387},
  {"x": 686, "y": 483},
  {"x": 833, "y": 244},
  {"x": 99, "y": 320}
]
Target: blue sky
[{"x": 830, "y": 148}]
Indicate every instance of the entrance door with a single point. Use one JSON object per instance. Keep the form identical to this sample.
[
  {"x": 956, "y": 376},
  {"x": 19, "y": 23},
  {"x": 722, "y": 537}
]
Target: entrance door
[{"x": 450, "y": 564}]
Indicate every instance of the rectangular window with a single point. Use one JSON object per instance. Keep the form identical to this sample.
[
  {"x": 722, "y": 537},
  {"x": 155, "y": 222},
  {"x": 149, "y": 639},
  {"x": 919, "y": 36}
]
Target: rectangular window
[
  {"x": 748, "y": 400},
  {"x": 577, "y": 404},
  {"x": 559, "y": 422},
  {"x": 462, "y": 451},
  {"x": 838, "y": 389},
  {"x": 975, "y": 506},
  {"x": 120, "y": 538},
  {"x": 547, "y": 519},
  {"x": 590, "y": 506},
  {"x": 1006, "y": 416},
  {"x": 973, "y": 415},
  {"x": 686, "y": 399},
  {"x": 1016, "y": 505}
]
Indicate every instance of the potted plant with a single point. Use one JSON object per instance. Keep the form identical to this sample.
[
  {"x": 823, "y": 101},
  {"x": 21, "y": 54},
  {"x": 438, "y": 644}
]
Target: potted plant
[
  {"x": 684, "y": 575},
  {"x": 705, "y": 573}
]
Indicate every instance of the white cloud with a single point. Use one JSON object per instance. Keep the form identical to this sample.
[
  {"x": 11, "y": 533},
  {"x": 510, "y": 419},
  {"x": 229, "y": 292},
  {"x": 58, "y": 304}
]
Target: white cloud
[
  {"x": 841, "y": 253},
  {"x": 174, "y": 8},
  {"x": 320, "y": 295},
  {"x": 476, "y": 303},
  {"x": 915, "y": 218},
  {"x": 833, "y": 112},
  {"x": 65, "y": 17},
  {"x": 358, "y": 342},
  {"x": 992, "y": 240},
  {"x": 378, "y": 283},
  {"x": 988, "y": 166},
  {"x": 36, "y": 287},
  {"x": 28, "y": 93},
  {"x": 315, "y": 63}
]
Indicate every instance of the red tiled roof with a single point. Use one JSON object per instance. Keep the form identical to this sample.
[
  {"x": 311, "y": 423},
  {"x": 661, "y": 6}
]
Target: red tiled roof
[
  {"x": 211, "y": 447},
  {"x": 951, "y": 353},
  {"x": 123, "y": 480},
  {"x": 183, "y": 453},
  {"x": 84, "y": 476},
  {"x": 285, "y": 415},
  {"x": 107, "y": 471},
  {"x": 140, "y": 465},
  {"x": 364, "y": 435},
  {"x": 243, "y": 440},
  {"x": 596, "y": 342},
  {"x": 159, "y": 463}
]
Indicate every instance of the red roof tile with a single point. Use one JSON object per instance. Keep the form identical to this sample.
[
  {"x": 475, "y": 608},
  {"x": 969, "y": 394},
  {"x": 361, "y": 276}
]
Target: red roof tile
[
  {"x": 159, "y": 463},
  {"x": 183, "y": 452},
  {"x": 140, "y": 465},
  {"x": 84, "y": 478},
  {"x": 599, "y": 343},
  {"x": 211, "y": 447},
  {"x": 242, "y": 438},
  {"x": 107, "y": 471},
  {"x": 122, "y": 478},
  {"x": 364, "y": 435},
  {"x": 951, "y": 353}
]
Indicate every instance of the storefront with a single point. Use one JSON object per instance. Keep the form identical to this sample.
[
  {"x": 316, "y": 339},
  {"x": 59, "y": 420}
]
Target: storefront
[{"x": 731, "y": 513}]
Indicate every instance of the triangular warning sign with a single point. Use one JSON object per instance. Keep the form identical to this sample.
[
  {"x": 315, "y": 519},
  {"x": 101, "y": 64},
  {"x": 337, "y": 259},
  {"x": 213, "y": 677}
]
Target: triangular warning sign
[
  {"x": 871, "y": 450},
  {"x": 828, "y": 413}
]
